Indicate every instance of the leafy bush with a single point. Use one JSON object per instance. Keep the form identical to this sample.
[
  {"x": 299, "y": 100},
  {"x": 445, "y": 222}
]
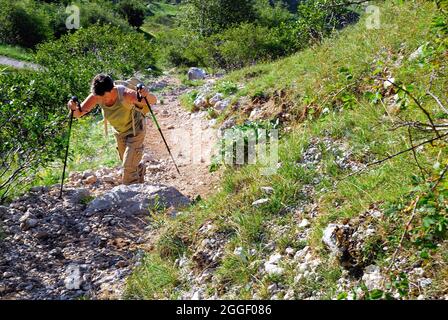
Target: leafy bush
[
  {"x": 30, "y": 123},
  {"x": 235, "y": 47},
  {"x": 224, "y": 39},
  {"x": 209, "y": 17},
  {"x": 180, "y": 47},
  {"x": 275, "y": 15},
  {"x": 23, "y": 23},
  {"x": 317, "y": 19},
  {"x": 134, "y": 12},
  {"x": 75, "y": 59},
  {"x": 102, "y": 13},
  {"x": 247, "y": 44},
  {"x": 28, "y": 23}
]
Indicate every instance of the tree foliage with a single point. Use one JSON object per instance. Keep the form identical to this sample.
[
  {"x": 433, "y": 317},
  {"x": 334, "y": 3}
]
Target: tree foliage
[
  {"x": 27, "y": 22},
  {"x": 134, "y": 11},
  {"x": 207, "y": 17},
  {"x": 220, "y": 35},
  {"x": 23, "y": 23}
]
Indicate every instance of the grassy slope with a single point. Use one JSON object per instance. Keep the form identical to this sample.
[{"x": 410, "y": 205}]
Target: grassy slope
[
  {"x": 311, "y": 77},
  {"x": 16, "y": 52},
  {"x": 162, "y": 18}
]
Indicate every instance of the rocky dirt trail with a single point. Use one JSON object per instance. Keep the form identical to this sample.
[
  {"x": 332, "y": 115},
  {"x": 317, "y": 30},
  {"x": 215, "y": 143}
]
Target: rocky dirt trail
[
  {"x": 85, "y": 245},
  {"x": 191, "y": 137},
  {"x": 14, "y": 63}
]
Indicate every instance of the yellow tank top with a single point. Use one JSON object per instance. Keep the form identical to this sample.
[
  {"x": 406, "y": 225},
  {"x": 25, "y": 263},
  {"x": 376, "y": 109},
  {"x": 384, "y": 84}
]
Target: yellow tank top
[{"x": 121, "y": 115}]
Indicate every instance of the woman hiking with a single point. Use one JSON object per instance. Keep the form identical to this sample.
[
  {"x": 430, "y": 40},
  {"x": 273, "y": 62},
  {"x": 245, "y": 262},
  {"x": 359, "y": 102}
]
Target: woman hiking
[{"x": 123, "y": 110}]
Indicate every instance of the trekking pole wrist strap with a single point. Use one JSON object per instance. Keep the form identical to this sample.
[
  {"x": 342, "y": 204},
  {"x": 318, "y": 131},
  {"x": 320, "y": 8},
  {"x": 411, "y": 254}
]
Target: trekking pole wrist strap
[{"x": 75, "y": 100}]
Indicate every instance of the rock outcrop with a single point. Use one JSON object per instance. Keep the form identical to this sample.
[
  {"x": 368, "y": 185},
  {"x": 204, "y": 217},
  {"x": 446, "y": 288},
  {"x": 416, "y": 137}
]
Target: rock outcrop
[{"x": 196, "y": 74}]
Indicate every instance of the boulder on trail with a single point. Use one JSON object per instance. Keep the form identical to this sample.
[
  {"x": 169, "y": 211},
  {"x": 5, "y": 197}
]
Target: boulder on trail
[
  {"x": 137, "y": 199},
  {"x": 216, "y": 98},
  {"x": 329, "y": 238},
  {"x": 221, "y": 105},
  {"x": 201, "y": 102},
  {"x": 196, "y": 74},
  {"x": 76, "y": 196}
]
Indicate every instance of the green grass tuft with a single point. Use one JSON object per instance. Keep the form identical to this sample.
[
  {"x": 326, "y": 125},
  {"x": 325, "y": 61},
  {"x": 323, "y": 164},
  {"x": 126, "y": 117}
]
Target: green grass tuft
[
  {"x": 337, "y": 76},
  {"x": 16, "y": 52},
  {"x": 155, "y": 279}
]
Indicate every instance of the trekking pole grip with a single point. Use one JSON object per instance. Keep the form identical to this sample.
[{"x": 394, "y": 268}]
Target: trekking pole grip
[
  {"x": 139, "y": 95},
  {"x": 76, "y": 100}
]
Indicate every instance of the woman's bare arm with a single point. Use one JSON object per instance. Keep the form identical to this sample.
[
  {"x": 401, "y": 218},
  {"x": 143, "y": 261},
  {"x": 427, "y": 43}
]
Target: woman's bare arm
[{"x": 86, "y": 106}]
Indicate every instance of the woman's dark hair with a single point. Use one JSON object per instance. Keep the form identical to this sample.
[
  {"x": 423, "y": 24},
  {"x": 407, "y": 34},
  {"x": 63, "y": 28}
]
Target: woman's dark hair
[{"x": 101, "y": 84}]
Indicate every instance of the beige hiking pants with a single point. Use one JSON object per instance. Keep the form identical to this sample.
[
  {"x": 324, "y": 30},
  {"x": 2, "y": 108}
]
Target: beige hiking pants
[{"x": 130, "y": 150}]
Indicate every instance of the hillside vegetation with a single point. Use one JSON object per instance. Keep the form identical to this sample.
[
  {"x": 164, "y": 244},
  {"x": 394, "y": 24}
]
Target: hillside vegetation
[
  {"x": 341, "y": 115},
  {"x": 357, "y": 205},
  {"x": 125, "y": 38}
]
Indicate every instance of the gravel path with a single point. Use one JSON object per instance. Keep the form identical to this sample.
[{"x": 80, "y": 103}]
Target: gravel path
[
  {"x": 191, "y": 137},
  {"x": 17, "y": 64}
]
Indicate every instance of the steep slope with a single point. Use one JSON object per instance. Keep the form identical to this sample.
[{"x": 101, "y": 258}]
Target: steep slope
[
  {"x": 332, "y": 224},
  {"x": 85, "y": 244}
]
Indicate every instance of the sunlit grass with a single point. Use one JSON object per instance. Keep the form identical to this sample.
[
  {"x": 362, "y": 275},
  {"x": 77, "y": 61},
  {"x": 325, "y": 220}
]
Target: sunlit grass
[
  {"x": 342, "y": 63},
  {"x": 155, "y": 279},
  {"x": 162, "y": 18},
  {"x": 16, "y": 52}
]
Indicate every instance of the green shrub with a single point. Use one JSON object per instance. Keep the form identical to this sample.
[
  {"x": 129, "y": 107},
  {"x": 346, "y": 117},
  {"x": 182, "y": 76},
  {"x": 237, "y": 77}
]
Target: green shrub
[
  {"x": 102, "y": 13},
  {"x": 30, "y": 122},
  {"x": 317, "y": 19},
  {"x": 56, "y": 18},
  {"x": 236, "y": 47},
  {"x": 268, "y": 32},
  {"x": 75, "y": 59},
  {"x": 91, "y": 13},
  {"x": 28, "y": 23},
  {"x": 213, "y": 16},
  {"x": 23, "y": 23},
  {"x": 248, "y": 44},
  {"x": 134, "y": 12},
  {"x": 180, "y": 47},
  {"x": 275, "y": 15}
]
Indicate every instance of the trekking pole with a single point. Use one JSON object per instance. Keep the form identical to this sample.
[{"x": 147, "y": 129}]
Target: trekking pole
[
  {"x": 139, "y": 96},
  {"x": 74, "y": 99}
]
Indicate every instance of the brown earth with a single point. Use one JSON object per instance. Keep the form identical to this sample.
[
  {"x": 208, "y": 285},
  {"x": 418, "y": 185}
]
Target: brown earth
[{"x": 190, "y": 137}]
